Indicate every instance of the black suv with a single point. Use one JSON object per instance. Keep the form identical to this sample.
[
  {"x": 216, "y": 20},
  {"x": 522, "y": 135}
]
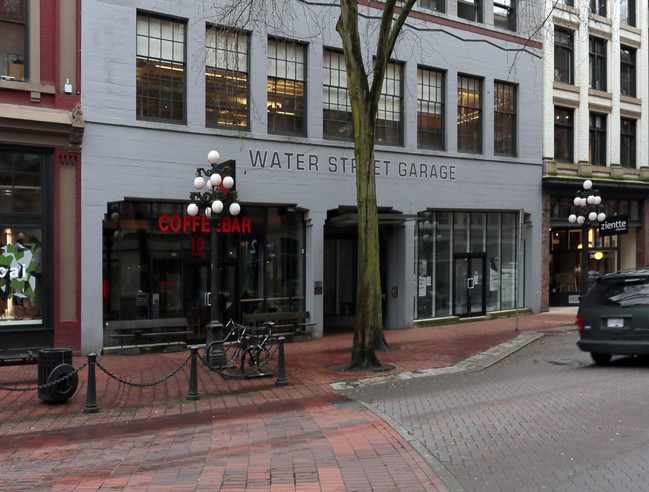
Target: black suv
[{"x": 613, "y": 317}]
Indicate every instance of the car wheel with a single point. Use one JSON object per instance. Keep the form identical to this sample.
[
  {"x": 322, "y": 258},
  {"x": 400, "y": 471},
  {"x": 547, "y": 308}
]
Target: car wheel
[{"x": 601, "y": 358}]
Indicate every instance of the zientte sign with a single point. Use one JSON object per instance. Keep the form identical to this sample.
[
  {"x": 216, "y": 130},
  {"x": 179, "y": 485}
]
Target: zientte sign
[{"x": 614, "y": 225}]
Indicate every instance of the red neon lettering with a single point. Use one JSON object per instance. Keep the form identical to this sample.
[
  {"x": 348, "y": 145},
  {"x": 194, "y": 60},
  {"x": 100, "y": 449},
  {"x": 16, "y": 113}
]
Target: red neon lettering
[
  {"x": 163, "y": 223},
  {"x": 246, "y": 224},
  {"x": 235, "y": 225},
  {"x": 175, "y": 223},
  {"x": 205, "y": 224},
  {"x": 186, "y": 222},
  {"x": 226, "y": 224}
]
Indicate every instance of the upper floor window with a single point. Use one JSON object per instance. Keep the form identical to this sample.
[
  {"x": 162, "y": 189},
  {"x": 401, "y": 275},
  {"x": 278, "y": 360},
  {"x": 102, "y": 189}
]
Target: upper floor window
[
  {"x": 504, "y": 119},
  {"x": 13, "y": 39},
  {"x": 563, "y": 56},
  {"x": 226, "y": 78},
  {"x": 336, "y": 108},
  {"x": 388, "y": 121},
  {"x": 627, "y": 12},
  {"x": 627, "y": 143},
  {"x": 627, "y": 71},
  {"x": 597, "y": 139},
  {"x": 470, "y": 10},
  {"x": 570, "y": 3},
  {"x": 598, "y": 7},
  {"x": 469, "y": 114},
  {"x": 160, "y": 81},
  {"x": 436, "y": 5},
  {"x": 286, "y": 87},
  {"x": 430, "y": 108},
  {"x": 563, "y": 134},
  {"x": 505, "y": 14},
  {"x": 597, "y": 53}
]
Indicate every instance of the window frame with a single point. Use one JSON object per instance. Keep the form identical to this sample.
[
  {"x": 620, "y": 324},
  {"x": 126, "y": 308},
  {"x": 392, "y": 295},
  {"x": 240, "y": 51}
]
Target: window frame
[
  {"x": 630, "y": 68},
  {"x": 474, "y": 5},
  {"x": 345, "y": 125},
  {"x": 439, "y": 5},
  {"x": 598, "y": 7},
  {"x": 597, "y": 79},
  {"x": 296, "y": 126},
  {"x": 630, "y": 18},
  {"x": 509, "y": 116},
  {"x": 24, "y": 61},
  {"x": 597, "y": 139},
  {"x": 567, "y": 49},
  {"x": 173, "y": 67},
  {"x": 385, "y": 134},
  {"x": 231, "y": 74},
  {"x": 565, "y": 128},
  {"x": 424, "y": 134},
  {"x": 510, "y": 17},
  {"x": 628, "y": 135},
  {"x": 477, "y": 147}
]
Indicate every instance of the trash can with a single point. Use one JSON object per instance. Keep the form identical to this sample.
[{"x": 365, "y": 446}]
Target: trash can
[{"x": 54, "y": 364}]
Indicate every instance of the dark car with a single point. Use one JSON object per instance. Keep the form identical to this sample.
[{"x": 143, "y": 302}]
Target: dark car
[{"x": 613, "y": 317}]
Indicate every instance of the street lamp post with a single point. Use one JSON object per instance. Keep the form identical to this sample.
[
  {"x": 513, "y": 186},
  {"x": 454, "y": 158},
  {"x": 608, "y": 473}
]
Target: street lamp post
[
  {"x": 587, "y": 209},
  {"x": 215, "y": 194}
]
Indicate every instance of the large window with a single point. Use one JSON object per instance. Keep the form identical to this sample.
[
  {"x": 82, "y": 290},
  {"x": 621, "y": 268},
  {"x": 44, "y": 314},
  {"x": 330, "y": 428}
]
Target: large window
[
  {"x": 627, "y": 12},
  {"x": 627, "y": 71},
  {"x": 12, "y": 41},
  {"x": 563, "y": 56},
  {"x": 504, "y": 119},
  {"x": 336, "y": 108},
  {"x": 627, "y": 143},
  {"x": 430, "y": 108},
  {"x": 597, "y": 139},
  {"x": 388, "y": 121},
  {"x": 597, "y": 54},
  {"x": 563, "y": 134},
  {"x": 505, "y": 14},
  {"x": 598, "y": 7},
  {"x": 226, "y": 78},
  {"x": 470, "y": 10},
  {"x": 286, "y": 87},
  {"x": 160, "y": 68},
  {"x": 469, "y": 114}
]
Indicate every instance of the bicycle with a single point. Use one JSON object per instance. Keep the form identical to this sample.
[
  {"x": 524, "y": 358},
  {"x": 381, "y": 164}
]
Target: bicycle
[{"x": 244, "y": 352}]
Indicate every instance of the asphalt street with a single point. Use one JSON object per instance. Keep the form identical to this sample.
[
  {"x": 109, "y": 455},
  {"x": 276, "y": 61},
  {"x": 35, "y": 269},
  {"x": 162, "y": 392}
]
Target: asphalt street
[{"x": 544, "y": 418}]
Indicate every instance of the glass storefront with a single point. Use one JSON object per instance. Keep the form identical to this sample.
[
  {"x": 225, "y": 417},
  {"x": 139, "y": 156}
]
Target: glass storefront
[
  {"x": 25, "y": 266},
  {"x": 466, "y": 263},
  {"x": 157, "y": 262}
]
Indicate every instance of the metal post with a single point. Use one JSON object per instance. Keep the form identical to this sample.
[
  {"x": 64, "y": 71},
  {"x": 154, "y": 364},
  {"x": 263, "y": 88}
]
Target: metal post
[
  {"x": 585, "y": 259},
  {"x": 192, "y": 395},
  {"x": 281, "y": 368},
  {"x": 215, "y": 327},
  {"x": 91, "y": 391}
]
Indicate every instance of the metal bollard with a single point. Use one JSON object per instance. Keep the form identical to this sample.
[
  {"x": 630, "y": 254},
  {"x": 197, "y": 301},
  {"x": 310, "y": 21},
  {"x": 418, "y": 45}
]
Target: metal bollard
[
  {"x": 192, "y": 395},
  {"x": 281, "y": 368},
  {"x": 91, "y": 391}
]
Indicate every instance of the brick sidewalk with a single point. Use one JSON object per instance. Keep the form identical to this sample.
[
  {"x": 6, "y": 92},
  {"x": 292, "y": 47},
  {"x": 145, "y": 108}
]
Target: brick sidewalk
[{"x": 241, "y": 434}]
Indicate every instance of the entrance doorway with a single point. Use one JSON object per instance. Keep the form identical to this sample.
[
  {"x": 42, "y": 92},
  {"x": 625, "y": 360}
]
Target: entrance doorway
[
  {"x": 470, "y": 287},
  {"x": 198, "y": 298}
]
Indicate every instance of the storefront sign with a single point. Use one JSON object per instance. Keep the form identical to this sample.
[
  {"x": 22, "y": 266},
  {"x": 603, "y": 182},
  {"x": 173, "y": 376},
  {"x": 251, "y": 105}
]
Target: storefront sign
[
  {"x": 295, "y": 161},
  {"x": 188, "y": 223},
  {"x": 614, "y": 225},
  {"x": 16, "y": 268}
]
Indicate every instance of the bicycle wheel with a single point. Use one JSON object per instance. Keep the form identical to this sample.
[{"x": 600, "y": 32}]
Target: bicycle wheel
[
  {"x": 229, "y": 365},
  {"x": 250, "y": 361},
  {"x": 268, "y": 357}
]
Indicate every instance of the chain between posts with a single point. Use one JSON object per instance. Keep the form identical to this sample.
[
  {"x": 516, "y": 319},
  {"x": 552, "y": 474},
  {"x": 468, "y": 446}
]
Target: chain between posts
[
  {"x": 143, "y": 385},
  {"x": 47, "y": 385}
]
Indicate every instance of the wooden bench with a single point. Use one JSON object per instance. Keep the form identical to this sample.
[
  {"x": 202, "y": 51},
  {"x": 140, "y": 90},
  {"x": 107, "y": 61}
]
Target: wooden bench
[
  {"x": 287, "y": 323},
  {"x": 169, "y": 333}
]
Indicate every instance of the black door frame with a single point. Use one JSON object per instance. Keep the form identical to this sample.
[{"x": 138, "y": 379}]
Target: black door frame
[{"x": 467, "y": 282}]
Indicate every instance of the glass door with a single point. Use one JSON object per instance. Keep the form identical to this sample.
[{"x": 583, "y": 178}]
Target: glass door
[
  {"x": 469, "y": 281},
  {"x": 198, "y": 297}
]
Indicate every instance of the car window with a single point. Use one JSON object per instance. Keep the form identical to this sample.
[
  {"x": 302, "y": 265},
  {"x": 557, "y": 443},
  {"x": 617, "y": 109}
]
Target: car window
[{"x": 621, "y": 292}]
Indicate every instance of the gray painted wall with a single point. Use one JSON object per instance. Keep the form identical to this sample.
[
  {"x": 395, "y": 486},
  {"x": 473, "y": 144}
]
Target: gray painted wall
[{"x": 125, "y": 157}]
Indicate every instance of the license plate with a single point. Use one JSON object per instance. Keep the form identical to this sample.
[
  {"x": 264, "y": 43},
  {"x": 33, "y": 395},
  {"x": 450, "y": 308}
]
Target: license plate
[{"x": 615, "y": 323}]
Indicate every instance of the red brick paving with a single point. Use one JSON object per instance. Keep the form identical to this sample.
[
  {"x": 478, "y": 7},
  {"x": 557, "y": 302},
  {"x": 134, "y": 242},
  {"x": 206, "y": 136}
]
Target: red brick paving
[{"x": 242, "y": 435}]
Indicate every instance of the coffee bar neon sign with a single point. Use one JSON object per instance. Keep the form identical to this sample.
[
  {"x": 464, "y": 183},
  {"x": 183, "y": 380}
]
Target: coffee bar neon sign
[{"x": 187, "y": 223}]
